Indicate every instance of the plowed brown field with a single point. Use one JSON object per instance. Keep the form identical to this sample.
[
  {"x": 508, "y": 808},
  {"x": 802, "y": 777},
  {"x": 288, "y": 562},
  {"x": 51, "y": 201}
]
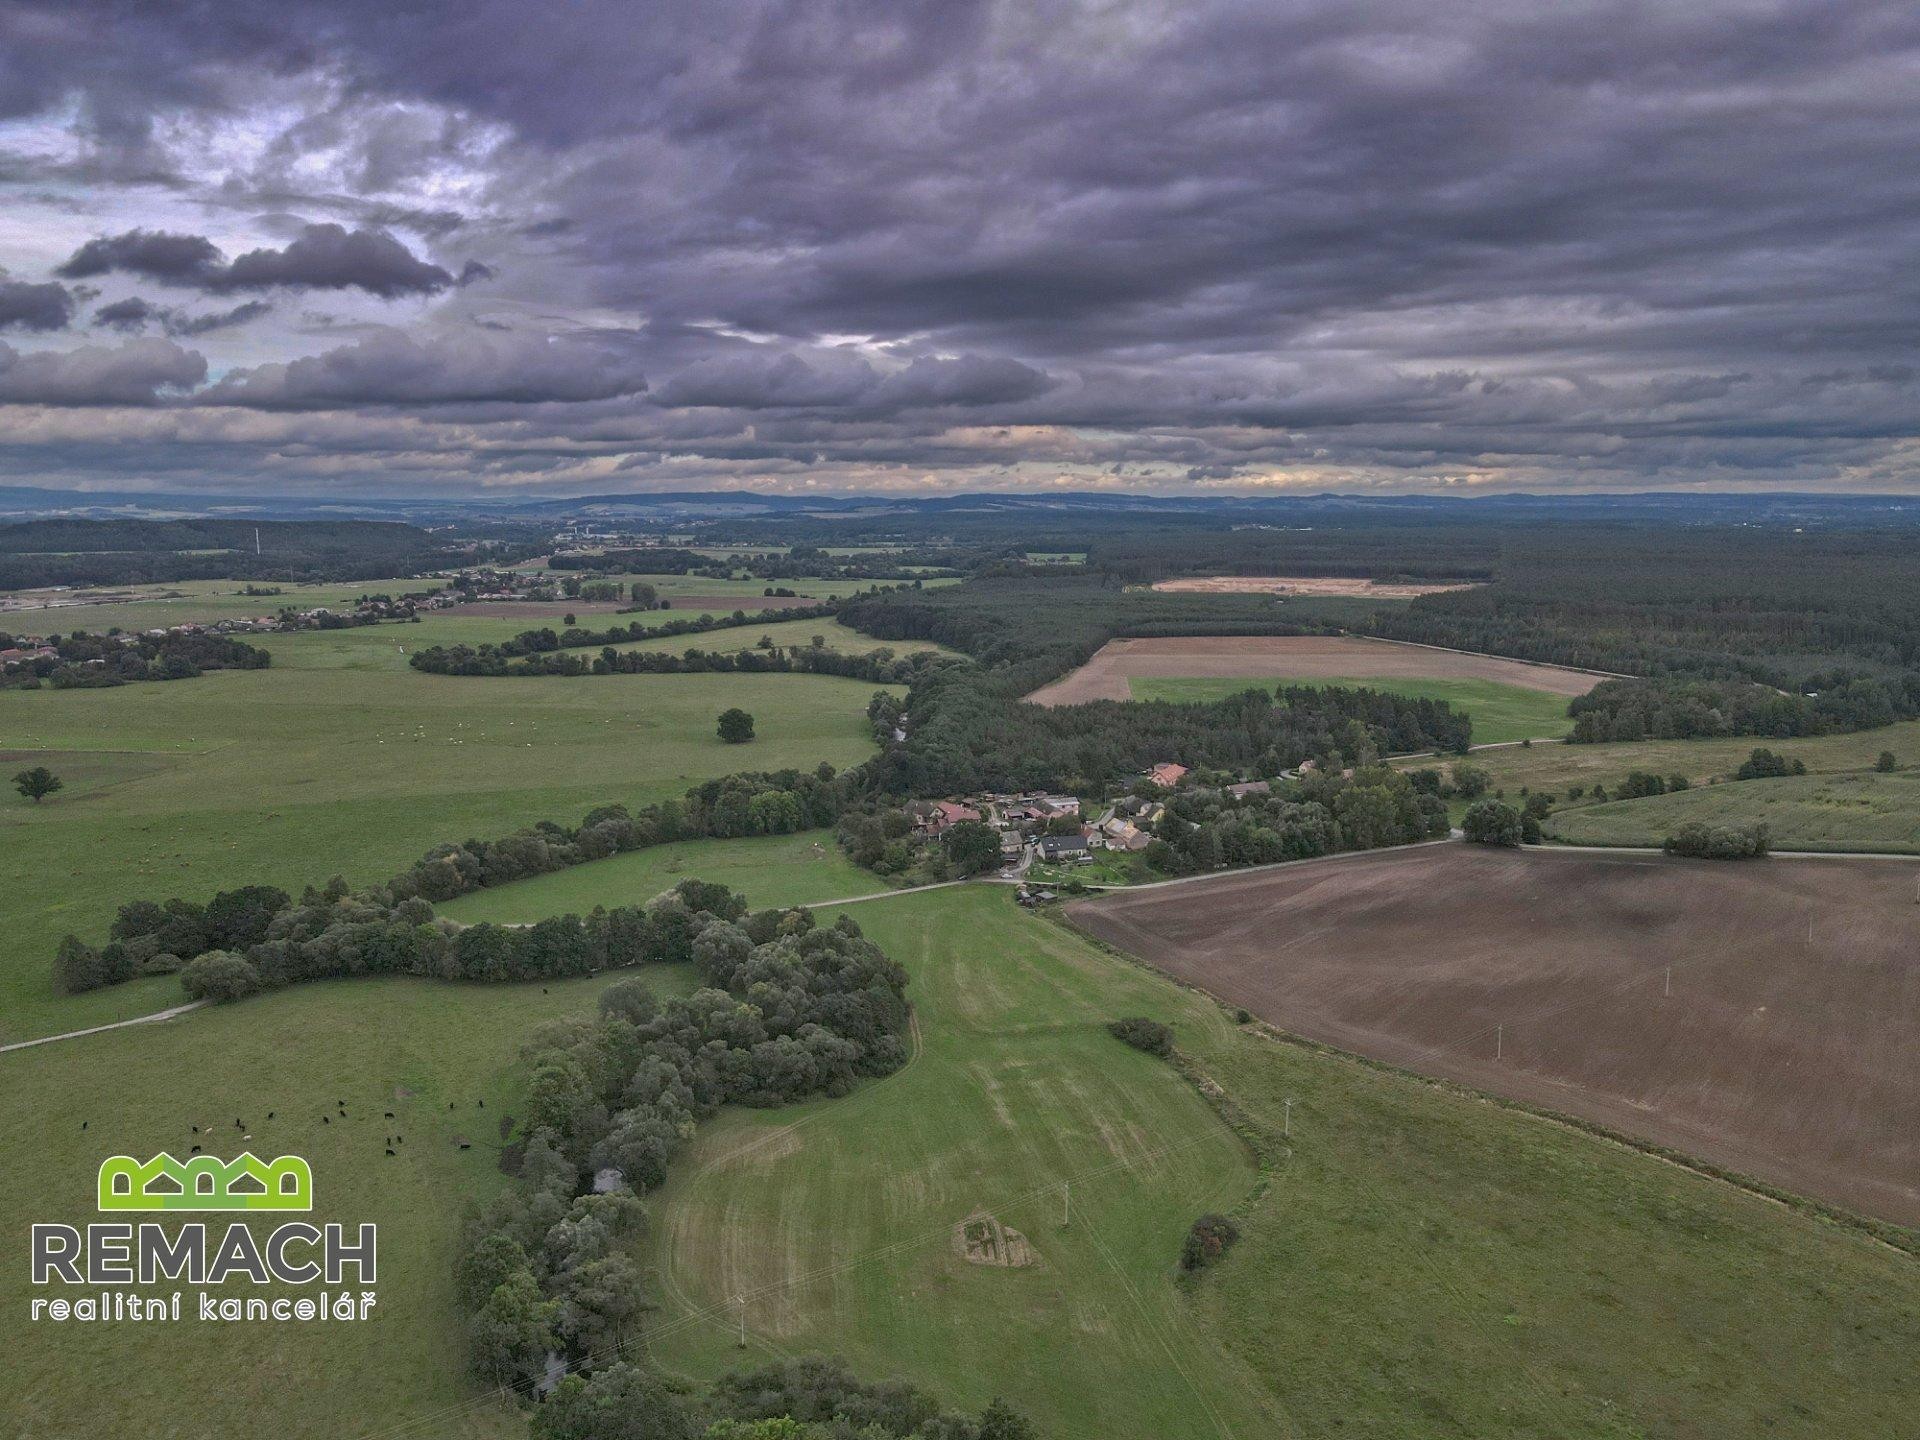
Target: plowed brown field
[{"x": 1788, "y": 1049}]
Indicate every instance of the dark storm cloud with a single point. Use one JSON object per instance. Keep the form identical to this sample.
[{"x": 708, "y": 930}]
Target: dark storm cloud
[
  {"x": 133, "y": 313},
  {"x": 391, "y": 368},
  {"x": 321, "y": 257},
  {"x": 134, "y": 372},
  {"x": 25, "y": 306},
  {"x": 1596, "y": 243},
  {"x": 136, "y": 313}
]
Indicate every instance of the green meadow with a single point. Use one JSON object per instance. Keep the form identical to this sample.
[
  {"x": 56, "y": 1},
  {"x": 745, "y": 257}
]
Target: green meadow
[
  {"x": 1556, "y": 767},
  {"x": 1413, "y": 1261},
  {"x": 1860, "y": 810},
  {"x": 770, "y": 870},
  {"x": 788, "y": 634},
  {"x": 339, "y": 759},
  {"x": 201, "y": 601},
  {"x": 443, "y": 1058},
  {"x": 1501, "y": 713}
]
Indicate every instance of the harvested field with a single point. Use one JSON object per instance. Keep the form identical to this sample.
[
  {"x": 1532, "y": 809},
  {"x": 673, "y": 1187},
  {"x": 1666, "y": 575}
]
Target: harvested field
[
  {"x": 1357, "y": 589},
  {"x": 1785, "y": 1050},
  {"x": 743, "y": 601},
  {"x": 549, "y": 612},
  {"x": 1293, "y": 657}
]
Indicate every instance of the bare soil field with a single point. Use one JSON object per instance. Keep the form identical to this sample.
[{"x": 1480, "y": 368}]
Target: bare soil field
[
  {"x": 1300, "y": 657},
  {"x": 1786, "y": 1049},
  {"x": 744, "y": 601},
  {"x": 1354, "y": 588},
  {"x": 550, "y": 611}
]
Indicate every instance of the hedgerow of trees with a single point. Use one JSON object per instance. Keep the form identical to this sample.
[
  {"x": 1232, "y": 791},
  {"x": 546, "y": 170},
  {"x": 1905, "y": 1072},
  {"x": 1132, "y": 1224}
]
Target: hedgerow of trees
[{"x": 83, "y": 661}]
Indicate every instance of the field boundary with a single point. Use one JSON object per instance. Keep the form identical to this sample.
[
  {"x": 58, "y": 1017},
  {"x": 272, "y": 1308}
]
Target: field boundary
[
  {"x": 1894, "y": 1237},
  {"x": 1490, "y": 655}
]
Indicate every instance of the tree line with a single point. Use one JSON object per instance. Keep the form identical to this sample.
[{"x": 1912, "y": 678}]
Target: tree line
[
  {"x": 1298, "y": 820},
  {"x": 876, "y": 667},
  {"x": 82, "y": 661}
]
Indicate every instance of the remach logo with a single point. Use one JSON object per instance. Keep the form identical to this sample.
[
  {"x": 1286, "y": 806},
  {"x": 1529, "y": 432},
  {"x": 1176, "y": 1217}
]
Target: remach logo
[
  {"x": 206, "y": 1182},
  {"x": 106, "y": 1270}
]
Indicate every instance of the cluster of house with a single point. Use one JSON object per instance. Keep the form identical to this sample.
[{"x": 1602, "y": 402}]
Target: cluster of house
[
  {"x": 1028, "y": 828},
  {"x": 321, "y": 617}
]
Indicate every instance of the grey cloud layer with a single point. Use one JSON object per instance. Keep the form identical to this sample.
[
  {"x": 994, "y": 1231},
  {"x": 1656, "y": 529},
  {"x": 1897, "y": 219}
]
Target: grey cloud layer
[
  {"x": 1346, "y": 242},
  {"x": 321, "y": 257}
]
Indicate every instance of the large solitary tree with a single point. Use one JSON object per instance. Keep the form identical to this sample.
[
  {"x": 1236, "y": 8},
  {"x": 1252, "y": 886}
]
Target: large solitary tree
[
  {"x": 736, "y": 726},
  {"x": 38, "y": 783}
]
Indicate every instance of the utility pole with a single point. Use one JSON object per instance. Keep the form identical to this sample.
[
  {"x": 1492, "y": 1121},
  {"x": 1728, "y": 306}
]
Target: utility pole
[
  {"x": 256, "y": 539},
  {"x": 1669, "y": 980},
  {"x": 1066, "y": 1202},
  {"x": 741, "y": 1301},
  {"x": 1499, "y": 1042},
  {"x": 1286, "y": 1119}
]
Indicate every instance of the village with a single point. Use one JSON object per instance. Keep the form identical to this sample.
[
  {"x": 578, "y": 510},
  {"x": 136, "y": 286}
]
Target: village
[{"x": 1047, "y": 836}]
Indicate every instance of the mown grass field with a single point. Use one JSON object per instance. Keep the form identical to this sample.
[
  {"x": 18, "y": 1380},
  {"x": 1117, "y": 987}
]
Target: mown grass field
[
  {"x": 1860, "y": 810},
  {"x": 835, "y": 1218},
  {"x": 294, "y": 1053},
  {"x": 1419, "y": 1262},
  {"x": 1501, "y": 713},
  {"x": 339, "y": 759},
  {"x": 795, "y": 634},
  {"x": 770, "y": 870},
  {"x": 184, "y": 601},
  {"x": 1555, "y": 767}
]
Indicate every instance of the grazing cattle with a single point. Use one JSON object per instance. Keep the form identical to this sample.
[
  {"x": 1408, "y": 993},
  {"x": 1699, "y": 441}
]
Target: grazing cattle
[
  {"x": 269, "y": 1114},
  {"x": 194, "y": 1151},
  {"x": 389, "y": 1114},
  {"x": 389, "y": 1150},
  {"x": 83, "y": 1124},
  {"x": 325, "y": 1121}
]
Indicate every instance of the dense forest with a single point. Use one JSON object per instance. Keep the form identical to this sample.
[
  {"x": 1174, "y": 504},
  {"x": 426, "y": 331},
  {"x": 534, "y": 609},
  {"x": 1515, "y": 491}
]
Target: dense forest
[{"x": 38, "y": 553}]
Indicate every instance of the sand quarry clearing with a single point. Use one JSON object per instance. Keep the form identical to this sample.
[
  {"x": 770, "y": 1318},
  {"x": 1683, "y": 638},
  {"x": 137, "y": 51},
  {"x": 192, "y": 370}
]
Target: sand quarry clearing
[
  {"x": 1294, "y": 657},
  {"x": 1783, "y": 1050}
]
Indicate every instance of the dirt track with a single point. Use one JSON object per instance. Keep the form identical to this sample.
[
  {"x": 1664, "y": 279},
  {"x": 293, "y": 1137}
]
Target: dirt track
[
  {"x": 1784, "y": 1057},
  {"x": 1304, "y": 657}
]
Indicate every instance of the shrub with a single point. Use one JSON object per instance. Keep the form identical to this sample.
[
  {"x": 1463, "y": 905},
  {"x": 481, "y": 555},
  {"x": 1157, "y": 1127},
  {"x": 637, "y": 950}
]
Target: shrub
[
  {"x": 1143, "y": 1034},
  {"x": 1489, "y": 822},
  {"x": 1763, "y": 764},
  {"x": 1718, "y": 842},
  {"x": 1639, "y": 785},
  {"x": 219, "y": 975},
  {"x": 1207, "y": 1241},
  {"x": 77, "y": 966},
  {"x": 1469, "y": 781},
  {"x": 1886, "y": 764}
]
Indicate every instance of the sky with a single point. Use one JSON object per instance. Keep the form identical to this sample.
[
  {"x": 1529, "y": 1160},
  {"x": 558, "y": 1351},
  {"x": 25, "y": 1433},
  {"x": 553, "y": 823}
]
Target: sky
[{"x": 923, "y": 246}]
